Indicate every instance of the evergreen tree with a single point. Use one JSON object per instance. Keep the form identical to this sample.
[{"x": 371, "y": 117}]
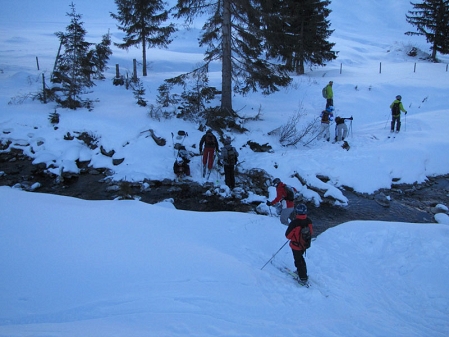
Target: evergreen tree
[
  {"x": 139, "y": 93},
  {"x": 297, "y": 32},
  {"x": 431, "y": 19},
  {"x": 99, "y": 57},
  {"x": 73, "y": 67},
  {"x": 141, "y": 21},
  {"x": 233, "y": 35}
]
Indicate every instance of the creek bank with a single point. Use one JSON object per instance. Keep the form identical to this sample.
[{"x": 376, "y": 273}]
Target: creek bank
[{"x": 406, "y": 203}]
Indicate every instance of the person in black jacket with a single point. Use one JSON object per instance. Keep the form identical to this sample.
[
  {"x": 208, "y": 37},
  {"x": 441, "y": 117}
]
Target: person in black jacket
[
  {"x": 229, "y": 157},
  {"x": 341, "y": 130},
  {"x": 298, "y": 245}
]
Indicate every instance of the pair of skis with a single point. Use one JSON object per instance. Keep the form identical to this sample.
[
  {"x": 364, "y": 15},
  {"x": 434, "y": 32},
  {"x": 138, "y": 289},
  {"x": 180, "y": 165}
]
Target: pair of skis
[{"x": 291, "y": 273}]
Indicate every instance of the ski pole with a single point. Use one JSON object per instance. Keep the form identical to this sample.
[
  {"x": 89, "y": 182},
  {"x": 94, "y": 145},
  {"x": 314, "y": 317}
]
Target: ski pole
[
  {"x": 310, "y": 141},
  {"x": 388, "y": 118},
  {"x": 274, "y": 255},
  {"x": 405, "y": 122},
  {"x": 350, "y": 128},
  {"x": 173, "y": 143}
]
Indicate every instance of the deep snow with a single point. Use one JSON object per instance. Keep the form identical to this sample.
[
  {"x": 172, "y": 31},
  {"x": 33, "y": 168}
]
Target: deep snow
[{"x": 124, "y": 268}]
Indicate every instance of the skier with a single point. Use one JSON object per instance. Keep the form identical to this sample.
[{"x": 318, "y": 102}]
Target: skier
[
  {"x": 295, "y": 233},
  {"x": 281, "y": 196},
  {"x": 210, "y": 146},
  {"x": 396, "y": 108},
  {"x": 326, "y": 118},
  {"x": 329, "y": 95},
  {"x": 181, "y": 167},
  {"x": 228, "y": 158},
  {"x": 341, "y": 130}
]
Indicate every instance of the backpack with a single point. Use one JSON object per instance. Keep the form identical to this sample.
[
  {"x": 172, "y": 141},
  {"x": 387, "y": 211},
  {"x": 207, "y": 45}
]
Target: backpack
[
  {"x": 325, "y": 117},
  {"x": 324, "y": 92},
  {"x": 231, "y": 156},
  {"x": 395, "y": 109},
  {"x": 290, "y": 191},
  {"x": 306, "y": 236},
  {"x": 210, "y": 139}
]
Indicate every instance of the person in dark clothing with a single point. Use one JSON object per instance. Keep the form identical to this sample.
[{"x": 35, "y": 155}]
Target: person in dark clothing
[
  {"x": 341, "y": 129},
  {"x": 181, "y": 167},
  {"x": 396, "y": 108},
  {"x": 297, "y": 243},
  {"x": 210, "y": 143},
  {"x": 229, "y": 157},
  {"x": 326, "y": 118}
]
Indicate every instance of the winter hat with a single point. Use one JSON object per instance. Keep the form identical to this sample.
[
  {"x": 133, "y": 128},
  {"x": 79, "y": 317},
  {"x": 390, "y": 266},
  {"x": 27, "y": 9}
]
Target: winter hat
[{"x": 301, "y": 209}]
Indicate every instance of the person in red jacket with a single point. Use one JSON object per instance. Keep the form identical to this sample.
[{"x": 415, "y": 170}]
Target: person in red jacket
[
  {"x": 210, "y": 143},
  {"x": 281, "y": 196},
  {"x": 297, "y": 243}
]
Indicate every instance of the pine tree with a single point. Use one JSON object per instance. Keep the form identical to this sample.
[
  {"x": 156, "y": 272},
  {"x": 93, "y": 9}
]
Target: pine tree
[
  {"x": 233, "y": 35},
  {"x": 141, "y": 20},
  {"x": 431, "y": 19},
  {"x": 99, "y": 57},
  {"x": 139, "y": 93},
  {"x": 298, "y": 32},
  {"x": 73, "y": 68}
]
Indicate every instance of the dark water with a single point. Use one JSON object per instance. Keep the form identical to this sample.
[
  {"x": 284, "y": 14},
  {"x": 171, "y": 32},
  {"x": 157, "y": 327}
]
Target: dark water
[
  {"x": 360, "y": 208},
  {"x": 407, "y": 203}
]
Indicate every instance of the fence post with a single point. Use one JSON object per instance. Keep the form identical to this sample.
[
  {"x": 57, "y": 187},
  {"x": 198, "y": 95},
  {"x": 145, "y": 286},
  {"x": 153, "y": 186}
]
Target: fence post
[
  {"x": 44, "y": 94},
  {"x": 414, "y": 69},
  {"x": 37, "y": 63},
  {"x": 134, "y": 70},
  {"x": 380, "y": 67},
  {"x": 341, "y": 66}
]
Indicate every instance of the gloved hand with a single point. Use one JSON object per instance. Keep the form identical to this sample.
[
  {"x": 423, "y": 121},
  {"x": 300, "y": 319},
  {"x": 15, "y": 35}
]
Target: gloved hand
[
  {"x": 269, "y": 203},
  {"x": 220, "y": 163},
  {"x": 406, "y": 112}
]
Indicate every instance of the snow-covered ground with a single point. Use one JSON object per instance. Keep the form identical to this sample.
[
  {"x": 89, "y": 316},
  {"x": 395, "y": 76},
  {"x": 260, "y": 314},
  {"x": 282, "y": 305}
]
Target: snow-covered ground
[{"x": 124, "y": 268}]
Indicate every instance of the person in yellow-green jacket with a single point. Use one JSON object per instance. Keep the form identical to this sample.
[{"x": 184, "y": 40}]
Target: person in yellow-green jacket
[
  {"x": 329, "y": 95},
  {"x": 396, "y": 108}
]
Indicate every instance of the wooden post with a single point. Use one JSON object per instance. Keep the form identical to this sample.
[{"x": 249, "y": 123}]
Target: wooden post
[
  {"x": 134, "y": 70},
  {"x": 380, "y": 68},
  {"x": 117, "y": 71},
  {"x": 37, "y": 63},
  {"x": 446, "y": 67},
  {"x": 341, "y": 66},
  {"x": 414, "y": 68},
  {"x": 44, "y": 94},
  {"x": 56, "y": 60}
]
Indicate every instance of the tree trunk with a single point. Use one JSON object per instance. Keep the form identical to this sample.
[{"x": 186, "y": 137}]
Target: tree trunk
[
  {"x": 226, "y": 76},
  {"x": 144, "y": 56},
  {"x": 434, "y": 51},
  {"x": 301, "y": 52}
]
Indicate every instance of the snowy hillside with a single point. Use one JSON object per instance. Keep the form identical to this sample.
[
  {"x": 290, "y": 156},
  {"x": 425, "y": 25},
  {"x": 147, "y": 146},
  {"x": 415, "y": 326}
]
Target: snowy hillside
[{"x": 125, "y": 268}]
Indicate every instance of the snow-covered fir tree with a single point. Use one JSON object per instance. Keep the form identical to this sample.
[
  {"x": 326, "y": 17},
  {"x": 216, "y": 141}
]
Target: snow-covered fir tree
[
  {"x": 142, "y": 20},
  {"x": 431, "y": 19}
]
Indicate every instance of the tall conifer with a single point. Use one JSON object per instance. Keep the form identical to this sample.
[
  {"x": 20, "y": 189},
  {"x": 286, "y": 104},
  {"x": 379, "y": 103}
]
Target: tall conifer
[
  {"x": 232, "y": 34},
  {"x": 298, "y": 32},
  {"x": 73, "y": 67},
  {"x": 142, "y": 20},
  {"x": 431, "y": 19}
]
